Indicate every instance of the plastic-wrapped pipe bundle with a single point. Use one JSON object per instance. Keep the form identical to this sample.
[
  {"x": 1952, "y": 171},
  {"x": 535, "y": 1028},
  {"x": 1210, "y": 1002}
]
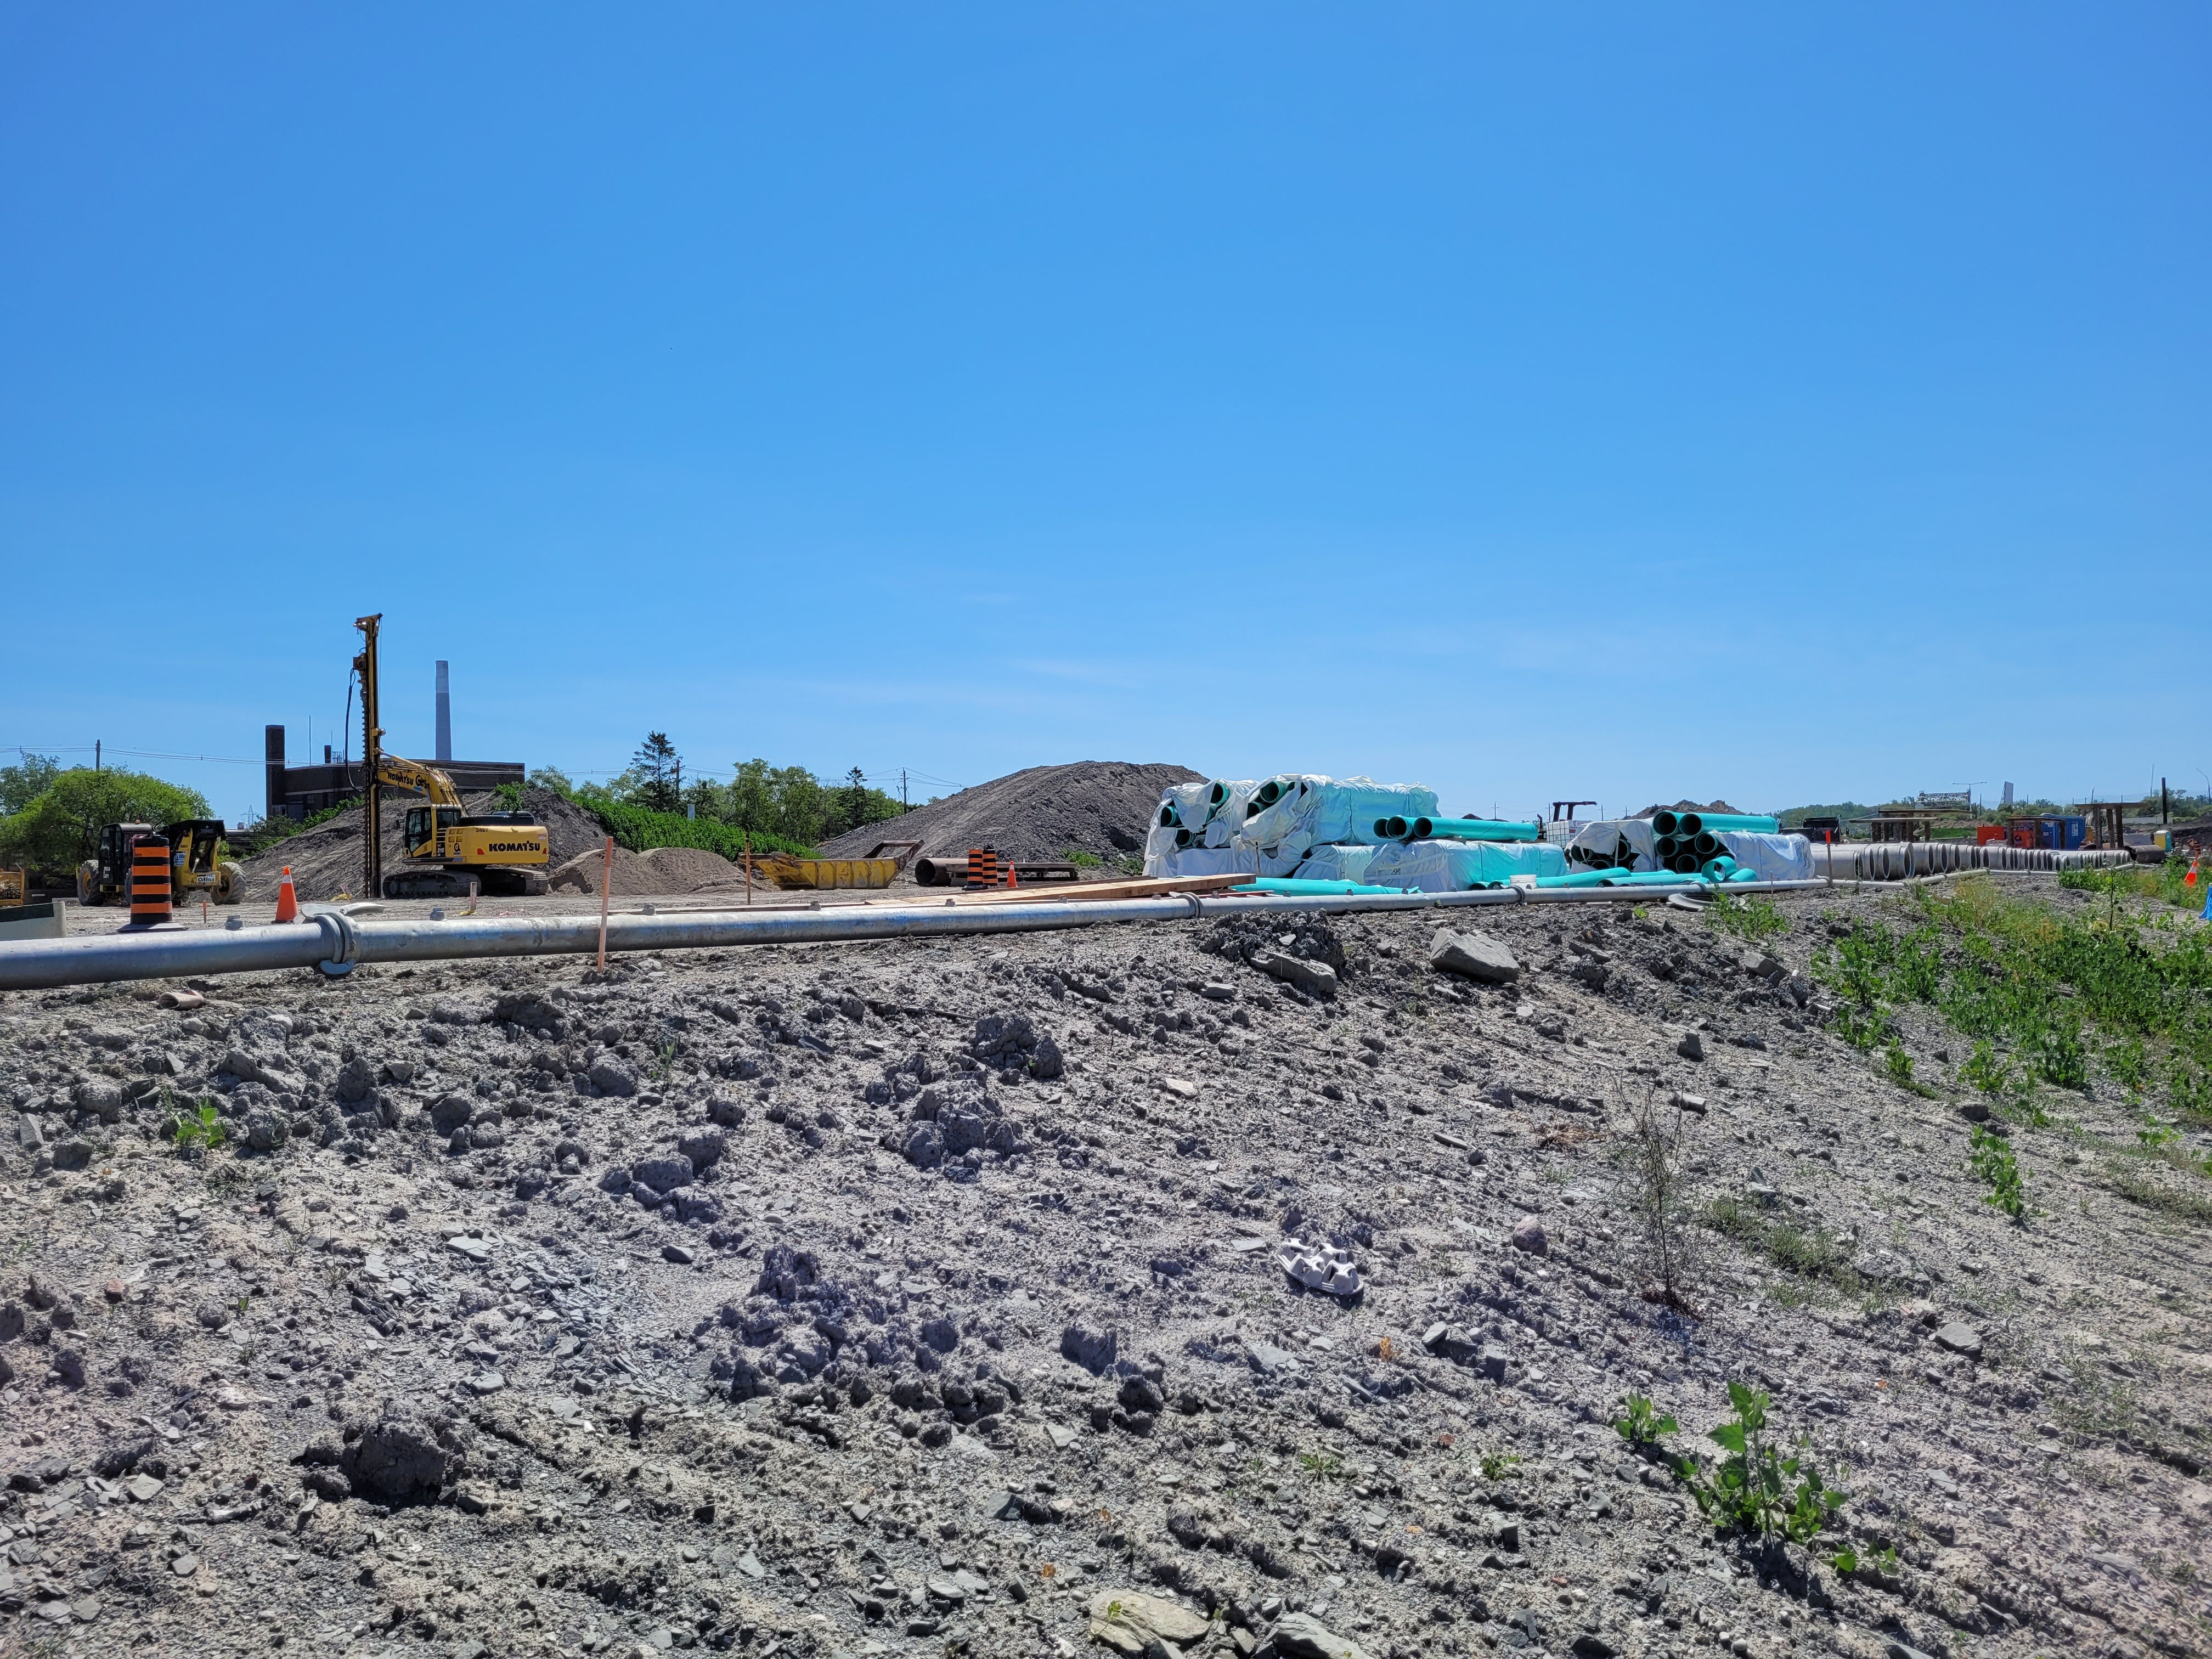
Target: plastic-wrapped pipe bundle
[
  {"x": 1614, "y": 844},
  {"x": 1771, "y": 858},
  {"x": 1454, "y": 866},
  {"x": 1330, "y": 809},
  {"x": 1226, "y": 801},
  {"x": 1183, "y": 806},
  {"x": 1337, "y": 861}
]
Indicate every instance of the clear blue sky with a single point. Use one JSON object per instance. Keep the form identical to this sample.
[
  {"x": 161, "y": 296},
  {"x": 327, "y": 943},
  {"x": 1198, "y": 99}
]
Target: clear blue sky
[{"x": 1786, "y": 404}]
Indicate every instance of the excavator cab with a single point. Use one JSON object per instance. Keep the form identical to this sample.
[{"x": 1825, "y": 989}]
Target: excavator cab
[{"x": 426, "y": 828}]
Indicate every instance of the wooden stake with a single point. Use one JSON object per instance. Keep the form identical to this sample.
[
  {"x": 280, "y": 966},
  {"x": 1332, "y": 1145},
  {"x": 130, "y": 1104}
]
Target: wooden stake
[
  {"x": 607, "y": 880},
  {"x": 749, "y": 869}
]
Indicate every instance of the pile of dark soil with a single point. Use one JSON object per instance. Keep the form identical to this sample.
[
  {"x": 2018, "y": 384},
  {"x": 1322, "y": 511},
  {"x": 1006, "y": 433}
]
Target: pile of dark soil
[
  {"x": 325, "y": 861},
  {"x": 1044, "y": 812}
]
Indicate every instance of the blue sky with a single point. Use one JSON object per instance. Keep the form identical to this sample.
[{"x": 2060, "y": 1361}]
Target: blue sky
[{"x": 1782, "y": 403}]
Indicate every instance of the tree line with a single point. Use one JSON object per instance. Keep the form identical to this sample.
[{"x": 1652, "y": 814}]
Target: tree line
[{"x": 786, "y": 802}]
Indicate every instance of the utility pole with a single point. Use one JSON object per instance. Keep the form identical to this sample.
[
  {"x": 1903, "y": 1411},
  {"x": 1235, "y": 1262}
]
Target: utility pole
[
  {"x": 95, "y": 754},
  {"x": 372, "y": 738},
  {"x": 903, "y": 807}
]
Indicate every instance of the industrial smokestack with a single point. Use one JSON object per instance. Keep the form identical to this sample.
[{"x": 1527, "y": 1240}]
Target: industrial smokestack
[{"x": 445, "y": 716}]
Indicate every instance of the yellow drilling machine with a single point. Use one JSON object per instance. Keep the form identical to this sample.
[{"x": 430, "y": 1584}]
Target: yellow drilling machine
[{"x": 448, "y": 851}]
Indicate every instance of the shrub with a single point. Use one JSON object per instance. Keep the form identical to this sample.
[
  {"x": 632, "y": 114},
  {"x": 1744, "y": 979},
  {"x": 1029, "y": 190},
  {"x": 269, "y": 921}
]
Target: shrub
[{"x": 58, "y": 828}]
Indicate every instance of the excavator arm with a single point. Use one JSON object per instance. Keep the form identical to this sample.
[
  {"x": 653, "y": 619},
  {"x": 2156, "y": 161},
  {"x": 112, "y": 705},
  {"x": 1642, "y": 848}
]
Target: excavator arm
[{"x": 394, "y": 772}]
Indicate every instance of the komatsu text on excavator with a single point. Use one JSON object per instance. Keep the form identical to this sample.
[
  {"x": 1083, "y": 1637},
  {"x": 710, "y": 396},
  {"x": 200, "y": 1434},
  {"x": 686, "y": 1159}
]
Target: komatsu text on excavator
[{"x": 448, "y": 853}]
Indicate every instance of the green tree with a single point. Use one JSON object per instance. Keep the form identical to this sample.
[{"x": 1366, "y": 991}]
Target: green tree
[
  {"x": 752, "y": 801},
  {"x": 800, "y": 808},
  {"x": 21, "y": 784},
  {"x": 553, "y": 778},
  {"x": 59, "y": 827},
  {"x": 658, "y": 771}
]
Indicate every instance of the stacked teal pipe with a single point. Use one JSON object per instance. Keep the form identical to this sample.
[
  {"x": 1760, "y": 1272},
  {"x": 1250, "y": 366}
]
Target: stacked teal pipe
[
  {"x": 1292, "y": 885},
  {"x": 1689, "y": 825},
  {"x": 1397, "y": 829},
  {"x": 1576, "y": 878}
]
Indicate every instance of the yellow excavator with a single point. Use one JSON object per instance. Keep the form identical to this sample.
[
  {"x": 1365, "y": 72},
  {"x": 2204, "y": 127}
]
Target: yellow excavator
[{"x": 448, "y": 851}]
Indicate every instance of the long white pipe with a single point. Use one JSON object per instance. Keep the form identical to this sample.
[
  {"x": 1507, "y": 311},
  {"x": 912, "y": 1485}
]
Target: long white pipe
[{"x": 336, "y": 943}]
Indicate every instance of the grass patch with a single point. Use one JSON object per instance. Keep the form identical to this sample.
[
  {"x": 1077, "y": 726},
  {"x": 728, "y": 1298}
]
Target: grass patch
[
  {"x": 1751, "y": 920},
  {"x": 2138, "y": 1187},
  {"x": 2050, "y": 997},
  {"x": 1813, "y": 1254}
]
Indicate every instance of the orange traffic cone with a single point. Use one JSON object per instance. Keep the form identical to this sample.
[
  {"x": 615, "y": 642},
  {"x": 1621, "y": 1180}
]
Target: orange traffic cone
[{"x": 288, "y": 901}]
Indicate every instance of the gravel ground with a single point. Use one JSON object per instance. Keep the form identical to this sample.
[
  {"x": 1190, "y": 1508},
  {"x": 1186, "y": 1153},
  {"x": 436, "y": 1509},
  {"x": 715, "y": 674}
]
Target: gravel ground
[{"x": 928, "y": 1298}]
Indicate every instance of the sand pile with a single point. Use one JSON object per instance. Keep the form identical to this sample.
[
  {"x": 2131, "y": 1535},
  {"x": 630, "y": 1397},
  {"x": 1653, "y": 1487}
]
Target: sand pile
[
  {"x": 1045, "y": 813},
  {"x": 326, "y": 860},
  {"x": 663, "y": 870}
]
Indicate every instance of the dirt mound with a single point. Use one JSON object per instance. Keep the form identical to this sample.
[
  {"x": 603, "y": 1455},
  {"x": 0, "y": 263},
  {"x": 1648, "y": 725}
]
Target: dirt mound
[
  {"x": 325, "y": 861},
  {"x": 1089, "y": 806},
  {"x": 637, "y": 875},
  {"x": 687, "y": 869},
  {"x": 629, "y": 875}
]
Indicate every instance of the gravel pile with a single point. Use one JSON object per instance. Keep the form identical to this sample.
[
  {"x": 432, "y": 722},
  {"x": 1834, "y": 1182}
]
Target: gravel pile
[
  {"x": 1101, "y": 807},
  {"x": 1201, "y": 1288}
]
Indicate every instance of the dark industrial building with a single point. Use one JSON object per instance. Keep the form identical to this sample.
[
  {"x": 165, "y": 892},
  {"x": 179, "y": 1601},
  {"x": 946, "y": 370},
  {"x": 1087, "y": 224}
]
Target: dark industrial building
[{"x": 294, "y": 792}]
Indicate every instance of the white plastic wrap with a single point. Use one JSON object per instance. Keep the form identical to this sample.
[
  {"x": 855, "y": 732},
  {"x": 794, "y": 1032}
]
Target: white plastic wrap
[
  {"x": 1204, "y": 861},
  {"x": 1777, "y": 858},
  {"x": 1336, "y": 809},
  {"x": 1188, "y": 800},
  {"x": 1605, "y": 835},
  {"x": 1336, "y": 861},
  {"x": 1453, "y": 867}
]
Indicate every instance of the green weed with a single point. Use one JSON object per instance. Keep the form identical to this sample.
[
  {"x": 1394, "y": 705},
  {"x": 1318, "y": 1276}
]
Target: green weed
[
  {"x": 1757, "y": 1489},
  {"x": 1994, "y": 1162},
  {"x": 1499, "y": 1466},
  {"x": 1080, "y": 859},
  {"x": 1640, "y": 1424},
  {"x": 1322, "y": 1466},
  {"x": 1899, "y": 1064},
  {"x": 201, "y": 1128},
  {"x": 1750, "y": 920}
]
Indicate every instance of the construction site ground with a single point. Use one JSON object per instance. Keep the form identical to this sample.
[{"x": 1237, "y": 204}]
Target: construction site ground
[{"x": 912, "y": 1298}]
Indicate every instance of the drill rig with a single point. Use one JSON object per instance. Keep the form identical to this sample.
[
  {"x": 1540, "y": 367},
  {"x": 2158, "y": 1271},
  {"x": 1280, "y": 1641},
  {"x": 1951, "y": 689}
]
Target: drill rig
[{"x": 446, "y": 850}]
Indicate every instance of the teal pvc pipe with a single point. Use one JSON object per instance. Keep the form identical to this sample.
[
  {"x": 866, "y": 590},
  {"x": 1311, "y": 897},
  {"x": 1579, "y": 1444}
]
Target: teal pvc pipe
[
  {"x": 1217, "y": 796},
  {"x": 1666, "y": 846},
  {"x": 1292, "y": 885},
  {"x": 1578, "y": 878},
  {"x": 1664, "y": 823},
  {"x": 1705, "y": 844},
  {"x": 1392, "y": 829},
  {"x": 1693, "y": 822},
  {"x": 1169, "y": 819},
  {"x": 1468, "y": 829},
  {"x": 1643, "y": 878}
]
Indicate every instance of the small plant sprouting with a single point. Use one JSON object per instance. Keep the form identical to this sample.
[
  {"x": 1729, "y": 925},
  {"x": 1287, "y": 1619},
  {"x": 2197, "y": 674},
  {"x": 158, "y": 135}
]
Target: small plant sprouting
[
  {"x": 1641, "y": 1425},
  {"x": 201, "y": 1128},
  {"x": 1993, "y": 1161},
  {"x": 1499, "y": 1466},
  {"x": 1757, "y": 1490},
  {"x": 1984, "y": 1071},
  {"x": 664, "y": 1066},
  {"x": 1322, "y": 1466},
  {"x": 1899, "y": 1064}
]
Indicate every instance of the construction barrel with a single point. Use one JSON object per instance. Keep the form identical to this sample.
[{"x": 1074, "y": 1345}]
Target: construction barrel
[
  {"x": 982, "y": 867},
  {"x": 150, "y": 882}
]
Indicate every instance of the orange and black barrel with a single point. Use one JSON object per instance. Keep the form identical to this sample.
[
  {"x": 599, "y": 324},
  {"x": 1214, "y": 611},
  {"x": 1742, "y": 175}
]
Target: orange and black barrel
[
  {"x": 149, "y": 882},
  {"x": 982, "y": 867}
]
